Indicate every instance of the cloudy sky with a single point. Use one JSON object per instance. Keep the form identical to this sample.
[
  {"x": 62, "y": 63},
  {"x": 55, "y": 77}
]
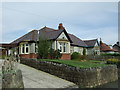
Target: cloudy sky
[{"x": 87, "y": 20}]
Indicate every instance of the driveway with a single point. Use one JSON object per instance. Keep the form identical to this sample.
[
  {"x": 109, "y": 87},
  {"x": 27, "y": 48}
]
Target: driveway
[{"x": 33, "y": 78}]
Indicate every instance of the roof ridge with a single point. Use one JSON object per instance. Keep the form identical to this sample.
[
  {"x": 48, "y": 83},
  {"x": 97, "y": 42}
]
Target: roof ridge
[{"x": 48, "y": 28}]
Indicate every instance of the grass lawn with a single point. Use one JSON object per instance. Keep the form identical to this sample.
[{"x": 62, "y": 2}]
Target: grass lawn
[{"x": 76, "y": 63}]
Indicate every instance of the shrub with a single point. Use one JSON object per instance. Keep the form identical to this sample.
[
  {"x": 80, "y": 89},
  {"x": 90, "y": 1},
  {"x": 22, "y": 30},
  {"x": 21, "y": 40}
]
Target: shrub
[
  {"x": 54, "y": 54},
  {"x": 75, "y": 55},
  {"x": 114, "y": 61},
  {"x": 111, "y": 54},
  {"x": 57, "y": 54}
]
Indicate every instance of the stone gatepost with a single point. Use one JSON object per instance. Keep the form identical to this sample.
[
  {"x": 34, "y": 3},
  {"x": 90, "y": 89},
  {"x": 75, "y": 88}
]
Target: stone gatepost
[{"x": 11, "y": 75}]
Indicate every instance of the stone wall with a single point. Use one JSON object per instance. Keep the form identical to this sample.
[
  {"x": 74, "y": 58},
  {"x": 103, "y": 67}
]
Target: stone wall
[
  {"x": 90, "y": 77},
  {"x": 12, "y": 80},
  {"x": 11, "y": 75}
]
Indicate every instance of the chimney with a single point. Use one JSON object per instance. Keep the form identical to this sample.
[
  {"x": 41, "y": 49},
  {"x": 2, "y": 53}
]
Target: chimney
[
  {"x": 118, "y": 43},
  {"x": 100, "y": 40},
  {"x": 60, "y": 27}
]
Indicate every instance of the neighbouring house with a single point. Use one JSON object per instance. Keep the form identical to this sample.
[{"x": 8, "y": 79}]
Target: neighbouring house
[
  {"x": 104, "y": 48},
  {"x": 117, "y": 46},
  {"x": 93, "y": 47},
  {"x": 5, "y": 49},
  {"x": 67, "y": 43}
]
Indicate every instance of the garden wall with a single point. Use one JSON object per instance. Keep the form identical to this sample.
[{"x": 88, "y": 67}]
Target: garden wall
[{"x": 90, "y": 77}]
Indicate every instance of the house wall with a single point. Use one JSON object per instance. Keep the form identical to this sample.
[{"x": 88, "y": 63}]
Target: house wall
[
  {"x": 31, "y": 50},
  {"x": 76, "y": 49},
  {"x": 116, "y": 48},
  {"x": 93, "y": 50},
  {"x": 63, "y": 39},
  {"x": 62, "y": 35},
  {"x": 65, "y": 56}
]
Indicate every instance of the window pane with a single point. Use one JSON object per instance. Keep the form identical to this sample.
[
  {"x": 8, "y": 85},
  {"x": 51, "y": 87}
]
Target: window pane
[
  {"x": 64, "y": 49},
  {"x": 26, "y": 49},
  {"x": 60, "y": 48},
  {"x": 26, "y": 44}
]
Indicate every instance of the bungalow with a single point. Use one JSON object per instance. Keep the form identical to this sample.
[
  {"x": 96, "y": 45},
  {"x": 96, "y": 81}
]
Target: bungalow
[
  {"x": 25, "y": 46},
  {"x": 104, "y": 48}
]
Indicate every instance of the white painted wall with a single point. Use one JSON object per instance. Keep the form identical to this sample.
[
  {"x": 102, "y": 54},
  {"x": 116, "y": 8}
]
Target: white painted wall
[
  {"x": 76, "y": 49},
  {"x": 62, "y": 35}
]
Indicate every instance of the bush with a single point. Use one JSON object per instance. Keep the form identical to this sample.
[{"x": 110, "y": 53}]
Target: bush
[
  {"x": 111, "y": 54},
  {"x": 75, "y": 55},
  {"x": 54, "y": 54},
  {"x": 114, "y": 61}
]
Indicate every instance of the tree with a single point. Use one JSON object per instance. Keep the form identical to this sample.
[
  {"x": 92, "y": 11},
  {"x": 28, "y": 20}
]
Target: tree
[
  {"x": 84, "y": 51},
  {"x": 43, "y": 48}
]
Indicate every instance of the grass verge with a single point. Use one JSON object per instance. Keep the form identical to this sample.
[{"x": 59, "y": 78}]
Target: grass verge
[{"x": 75, "y": 63}]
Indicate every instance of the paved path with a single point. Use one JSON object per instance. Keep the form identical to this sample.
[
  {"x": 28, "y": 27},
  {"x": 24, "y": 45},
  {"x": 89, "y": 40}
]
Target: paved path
[{"x": 33, "y": 78}]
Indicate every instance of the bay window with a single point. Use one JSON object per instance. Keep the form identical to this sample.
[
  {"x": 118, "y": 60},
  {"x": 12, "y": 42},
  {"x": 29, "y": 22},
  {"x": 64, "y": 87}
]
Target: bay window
[
  {"x": 24, "y": 48},
  {"x": 63, "y": 47}
]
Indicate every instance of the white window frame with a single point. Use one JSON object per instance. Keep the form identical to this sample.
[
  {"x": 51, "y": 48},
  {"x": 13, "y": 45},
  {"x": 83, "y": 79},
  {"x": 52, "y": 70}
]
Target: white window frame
[
  {"x": 26, "y": 46},
  {"x": 21, "y": 48},
  {"x": 61, "y": 45}
]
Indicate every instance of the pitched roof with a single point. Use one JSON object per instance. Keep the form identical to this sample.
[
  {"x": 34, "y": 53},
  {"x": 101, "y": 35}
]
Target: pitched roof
[
  {"x": 76, "y": 41},
  {"x": 6, "y": 45},
  {"x": 90, "y": 43},
  {"x": 49, "y": 33},
  {"x": 52, "y": 34},
  {"x": 104, "y": 47},
  {"x": 116, "y": 47},
  {"x": 46, "y": 32},
  {"x": 31, "y": 36}
]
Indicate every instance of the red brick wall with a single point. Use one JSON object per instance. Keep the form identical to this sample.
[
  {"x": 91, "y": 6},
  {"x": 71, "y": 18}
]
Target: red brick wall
[
  {"x": 31, "y": 55},
  {"x": 65, "y": 57}
]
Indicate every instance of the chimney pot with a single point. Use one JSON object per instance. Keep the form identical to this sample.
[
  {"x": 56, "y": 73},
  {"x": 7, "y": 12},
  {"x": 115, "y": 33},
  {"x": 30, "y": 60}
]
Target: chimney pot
[{"x": 60, "y": 27}]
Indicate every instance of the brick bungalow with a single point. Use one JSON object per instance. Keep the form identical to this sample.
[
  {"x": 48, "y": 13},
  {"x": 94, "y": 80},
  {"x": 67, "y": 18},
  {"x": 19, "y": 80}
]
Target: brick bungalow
[{"x": 25, "y": 46}]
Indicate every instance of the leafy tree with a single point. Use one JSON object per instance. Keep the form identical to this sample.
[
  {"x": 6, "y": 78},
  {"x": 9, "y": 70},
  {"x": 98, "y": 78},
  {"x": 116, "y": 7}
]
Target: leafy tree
[
  {"x": 51, "y": 53},
  {"x": 43, "y": 47},
  {"x": 57, "y": 54}
]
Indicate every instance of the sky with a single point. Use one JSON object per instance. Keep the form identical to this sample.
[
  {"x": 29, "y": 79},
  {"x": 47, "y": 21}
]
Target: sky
[{"x": 86, "y": 20}]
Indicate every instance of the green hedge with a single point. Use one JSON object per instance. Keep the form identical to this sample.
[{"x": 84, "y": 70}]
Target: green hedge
[{"x": 111, "y": 54}]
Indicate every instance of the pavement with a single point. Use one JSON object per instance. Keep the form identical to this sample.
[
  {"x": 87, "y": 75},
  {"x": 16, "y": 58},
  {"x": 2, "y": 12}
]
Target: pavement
[{"x": 34, "y": 78}]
